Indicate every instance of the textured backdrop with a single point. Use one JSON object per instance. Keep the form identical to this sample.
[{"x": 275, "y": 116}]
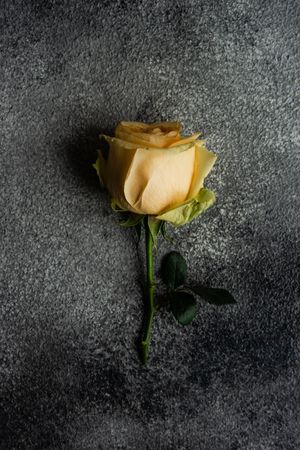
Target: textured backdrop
[{"x": 71, "y": 279}]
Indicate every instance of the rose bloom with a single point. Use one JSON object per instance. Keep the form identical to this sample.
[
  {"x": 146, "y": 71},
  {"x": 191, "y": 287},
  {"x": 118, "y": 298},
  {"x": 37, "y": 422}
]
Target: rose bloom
[{"x": 152, "y": 169}]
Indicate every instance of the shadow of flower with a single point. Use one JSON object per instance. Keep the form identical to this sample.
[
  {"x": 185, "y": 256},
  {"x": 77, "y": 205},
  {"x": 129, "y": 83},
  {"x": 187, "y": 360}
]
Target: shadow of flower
[{"x": 81, "y": 153}]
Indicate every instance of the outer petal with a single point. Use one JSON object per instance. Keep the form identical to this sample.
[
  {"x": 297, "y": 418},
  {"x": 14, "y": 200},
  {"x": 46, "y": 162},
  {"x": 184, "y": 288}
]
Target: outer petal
[
  {"x": 115, "y": 170},
  {"x": 189, "y": 210},
  {"x": 204, "y": 161},
  {"x": 159, "y": 179}
]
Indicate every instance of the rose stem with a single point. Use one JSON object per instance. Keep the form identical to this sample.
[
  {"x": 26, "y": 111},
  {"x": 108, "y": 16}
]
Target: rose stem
[{"x": 150, "y": 306}]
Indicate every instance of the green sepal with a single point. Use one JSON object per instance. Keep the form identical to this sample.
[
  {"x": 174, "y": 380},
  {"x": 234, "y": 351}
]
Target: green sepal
[
  {"x": 183, "y": 307},
  {"x": 189, "y": 210},
  {"x": 116, "y": 207},
  {"x": 132, "y": 220},
  {"x": 173, "y": 270},
  {"x": 214, "y": 296},
  {"x": 97, "y": 167}
]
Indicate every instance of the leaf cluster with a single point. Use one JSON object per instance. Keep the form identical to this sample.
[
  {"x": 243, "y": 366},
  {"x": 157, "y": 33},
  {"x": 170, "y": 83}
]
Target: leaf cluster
[{"x": 182, "y": 298}]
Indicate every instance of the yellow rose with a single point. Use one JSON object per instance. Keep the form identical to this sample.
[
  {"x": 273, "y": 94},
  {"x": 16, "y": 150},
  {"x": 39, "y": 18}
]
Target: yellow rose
[{"x": 151, "y": 169}]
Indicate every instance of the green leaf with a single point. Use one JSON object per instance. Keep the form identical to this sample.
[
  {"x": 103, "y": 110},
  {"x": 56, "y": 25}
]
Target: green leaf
[
  {"x": 173, "y": 270},
  {"x": 132, "y": 221},
  {"x": 214, "y": 296},
  {"x": 154, "y": 227},
  {"x": 190, "y": 209},
  {"x": 183, "y": 307}
]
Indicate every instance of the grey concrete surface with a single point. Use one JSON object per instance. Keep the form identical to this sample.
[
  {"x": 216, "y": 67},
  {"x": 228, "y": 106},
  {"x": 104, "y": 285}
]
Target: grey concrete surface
[{"x": 71, "y": 279}]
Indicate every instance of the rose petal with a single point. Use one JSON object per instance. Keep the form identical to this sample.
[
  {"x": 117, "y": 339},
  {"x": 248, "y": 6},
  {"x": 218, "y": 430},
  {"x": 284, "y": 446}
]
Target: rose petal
[
  {"x": 158, "y": 135},
  {"x": 204, "y": 161},
  {"x": 147, "y": 127},
  {"x": 159, "y": 179},
  {"x": 186, "y": 140},
  {"x": 148, "y": 140},
  {"x": 114, "y": 172}
]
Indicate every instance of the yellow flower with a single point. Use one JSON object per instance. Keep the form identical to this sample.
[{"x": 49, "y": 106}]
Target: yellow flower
[{"x": 152, "y": 169}]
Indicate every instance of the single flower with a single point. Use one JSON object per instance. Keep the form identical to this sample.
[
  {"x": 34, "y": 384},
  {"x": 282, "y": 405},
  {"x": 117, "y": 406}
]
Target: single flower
[
  {"x": 152, "y": 170},
  {"x": 157, "y": 176}
]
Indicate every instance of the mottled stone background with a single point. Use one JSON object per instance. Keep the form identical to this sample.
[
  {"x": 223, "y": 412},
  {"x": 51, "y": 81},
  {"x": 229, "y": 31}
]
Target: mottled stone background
[{"x": 71, "y": 279}]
